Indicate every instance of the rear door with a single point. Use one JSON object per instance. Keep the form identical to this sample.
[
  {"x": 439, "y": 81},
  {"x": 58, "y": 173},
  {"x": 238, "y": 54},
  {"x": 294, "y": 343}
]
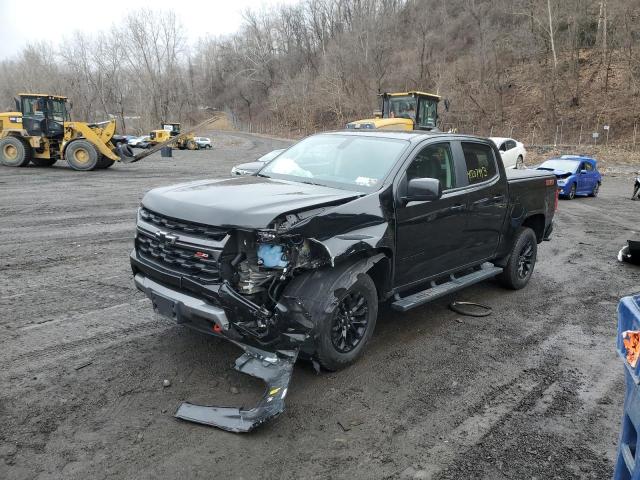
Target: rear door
[
  {"x": 486, "y": 201},
  {"x": 429, "y": 235}
]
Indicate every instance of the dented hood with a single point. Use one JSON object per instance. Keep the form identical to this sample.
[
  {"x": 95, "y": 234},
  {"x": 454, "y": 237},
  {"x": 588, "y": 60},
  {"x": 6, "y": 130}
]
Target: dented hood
[{"x": 249, "y": 202}]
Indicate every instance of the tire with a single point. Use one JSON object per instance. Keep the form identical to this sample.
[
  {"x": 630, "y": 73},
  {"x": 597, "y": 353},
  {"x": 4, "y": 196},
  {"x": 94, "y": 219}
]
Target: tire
[
  {"x": 572, "y": 192},
  {"x": 43, "y": 162},
  {"x": 360, "y": 324},
  {"x": 82, "y": 155},
  {"x": 104, "y": 163},
  {"x": 519, "y": 162},
  {"x": 522, "y": 260},
  {"x": 596, "y": 189},
  {"x": 192, "y": 145},
  {"x": 15, "y": 152}
]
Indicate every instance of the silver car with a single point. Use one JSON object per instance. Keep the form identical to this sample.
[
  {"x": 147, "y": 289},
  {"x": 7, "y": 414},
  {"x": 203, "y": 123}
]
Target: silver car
[{"x": 252, "y": 167}]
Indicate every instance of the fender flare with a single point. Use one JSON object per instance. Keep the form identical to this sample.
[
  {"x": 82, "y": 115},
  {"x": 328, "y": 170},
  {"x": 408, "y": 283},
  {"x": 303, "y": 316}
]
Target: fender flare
[{"x": 310, "y": 296}]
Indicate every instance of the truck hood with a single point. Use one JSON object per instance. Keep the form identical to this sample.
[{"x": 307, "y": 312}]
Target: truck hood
[{"x": 245, "y": 202}]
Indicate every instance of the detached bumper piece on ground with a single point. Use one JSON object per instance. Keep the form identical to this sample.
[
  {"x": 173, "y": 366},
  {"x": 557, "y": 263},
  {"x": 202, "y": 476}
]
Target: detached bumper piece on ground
[{"x": 275, "y": 368}]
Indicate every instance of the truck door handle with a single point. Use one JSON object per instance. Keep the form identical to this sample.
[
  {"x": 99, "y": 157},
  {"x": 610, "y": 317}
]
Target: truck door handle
[
  {"x": 497, "y": 198},
  {"x": 457, "y": 208}
]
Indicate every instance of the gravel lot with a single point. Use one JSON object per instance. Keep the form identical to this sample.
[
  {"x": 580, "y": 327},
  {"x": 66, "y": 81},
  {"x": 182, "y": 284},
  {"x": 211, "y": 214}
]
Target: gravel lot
[{"x": 533, "y": 391}]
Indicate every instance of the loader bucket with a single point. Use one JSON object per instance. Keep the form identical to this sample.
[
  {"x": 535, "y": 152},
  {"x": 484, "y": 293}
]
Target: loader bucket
[{"x": 125, "y": 153}]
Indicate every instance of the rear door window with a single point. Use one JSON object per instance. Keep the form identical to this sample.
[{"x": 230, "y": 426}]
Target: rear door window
[
  {"x": 510, "y": 144},
  {"x": 480, "y": 162}
]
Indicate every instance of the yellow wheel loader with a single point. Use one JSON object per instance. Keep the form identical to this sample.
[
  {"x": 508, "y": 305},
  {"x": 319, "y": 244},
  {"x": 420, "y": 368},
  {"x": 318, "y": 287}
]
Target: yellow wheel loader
[
  {"x": 41, "y": 132},
  {"x": 170, "y": 130},
  {"x": 403, "y": 111}
]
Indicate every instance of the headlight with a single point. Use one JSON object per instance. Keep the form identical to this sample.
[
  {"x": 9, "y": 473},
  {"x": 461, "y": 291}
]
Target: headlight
[{"x": 561, "y": 183}]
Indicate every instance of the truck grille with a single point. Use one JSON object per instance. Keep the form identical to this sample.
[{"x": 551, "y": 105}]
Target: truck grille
[
  {"x": 199, "y": 262},
  {"x": 182, "y": 226}
]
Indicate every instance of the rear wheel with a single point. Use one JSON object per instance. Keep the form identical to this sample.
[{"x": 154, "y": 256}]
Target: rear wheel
[
  {"x": 43, "y": 162},
  {"x": 596, "y": 189},
  {"x": 522, "y": 260},
  {"x": 346, "y": 329},
  {"x": 82, "y": 155},
  {"x": 15, "y": 152}
]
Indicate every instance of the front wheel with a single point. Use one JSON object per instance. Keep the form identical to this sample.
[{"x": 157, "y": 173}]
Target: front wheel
[
  {"x": 82, "y": 155},
  {"x": 522, "y": 260},
  {"x": 572, "y": 192},
  {"x": 192, "y": 145},
  {"x": 346, "y": 329}
]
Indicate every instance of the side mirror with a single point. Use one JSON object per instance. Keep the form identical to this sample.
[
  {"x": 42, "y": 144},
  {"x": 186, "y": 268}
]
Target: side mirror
[
  {"x": 70, "y": 105},
  {"x": 377, "y": 114},
  {"x": 423, "y": 189},
  {"x": 583, "y": 172}
]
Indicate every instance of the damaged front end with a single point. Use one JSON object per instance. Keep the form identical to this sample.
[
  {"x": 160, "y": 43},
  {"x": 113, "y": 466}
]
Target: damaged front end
[{"x": 242, "y": 284}]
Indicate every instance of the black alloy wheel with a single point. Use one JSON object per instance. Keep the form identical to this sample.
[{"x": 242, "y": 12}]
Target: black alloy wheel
[
  {"x": 525, "y": 260},
  {"x": 350, "y": 322}
]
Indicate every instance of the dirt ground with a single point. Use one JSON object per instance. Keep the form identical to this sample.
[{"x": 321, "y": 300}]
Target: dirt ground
[{"x": 533, "y": 391}]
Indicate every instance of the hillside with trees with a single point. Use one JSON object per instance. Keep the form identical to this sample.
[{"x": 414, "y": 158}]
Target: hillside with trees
[{"x": 544, "y": 70}]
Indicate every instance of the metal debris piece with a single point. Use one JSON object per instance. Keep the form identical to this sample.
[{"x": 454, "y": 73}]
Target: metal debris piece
[
  {"x": 166, "y": 383},
  {"x": 476, "y": 310},
  {"x": 275, "y": 368},
  {"x": 82, "y": 365}
]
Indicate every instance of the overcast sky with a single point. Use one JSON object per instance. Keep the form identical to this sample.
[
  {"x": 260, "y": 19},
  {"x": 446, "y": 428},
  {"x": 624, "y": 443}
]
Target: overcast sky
[{"x": 22, "y": 22}]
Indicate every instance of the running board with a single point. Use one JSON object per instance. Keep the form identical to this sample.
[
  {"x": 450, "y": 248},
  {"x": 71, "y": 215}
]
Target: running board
[{"x": 487, "y": 270}]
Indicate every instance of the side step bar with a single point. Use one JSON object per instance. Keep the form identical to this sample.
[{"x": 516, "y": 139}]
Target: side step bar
[{"x": 487, "y": 270}]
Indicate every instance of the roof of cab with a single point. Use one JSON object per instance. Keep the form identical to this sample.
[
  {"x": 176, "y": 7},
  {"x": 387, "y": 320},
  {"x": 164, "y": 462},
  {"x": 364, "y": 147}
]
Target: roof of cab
[
  {"x": 411, "y": 92},
  {"x": 44, "y": 95},
  {"x": 413, "y": 136}
]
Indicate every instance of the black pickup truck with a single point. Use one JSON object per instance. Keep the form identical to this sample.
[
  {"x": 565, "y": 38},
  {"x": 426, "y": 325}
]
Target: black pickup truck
[{"x": 296, "y": 258}]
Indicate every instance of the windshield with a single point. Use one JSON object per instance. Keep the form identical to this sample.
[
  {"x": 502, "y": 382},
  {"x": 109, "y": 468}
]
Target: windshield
[
  {"x": 401, "y": 107},
  {"x": 58, "y": 110},
  {"x": 565, "y": 165},
  {"x": 339, "y": 161},
  {"x": 267, "y": 157}
]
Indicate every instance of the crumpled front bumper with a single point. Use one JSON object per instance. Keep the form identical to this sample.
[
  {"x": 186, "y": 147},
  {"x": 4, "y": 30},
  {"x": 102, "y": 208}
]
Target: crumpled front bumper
[
  {"x": 274, "y": 368},
  {"x": 181, "y": 307}
]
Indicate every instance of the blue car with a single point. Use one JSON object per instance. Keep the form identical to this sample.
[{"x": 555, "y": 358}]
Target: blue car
[{"x": 577, "y": 175}]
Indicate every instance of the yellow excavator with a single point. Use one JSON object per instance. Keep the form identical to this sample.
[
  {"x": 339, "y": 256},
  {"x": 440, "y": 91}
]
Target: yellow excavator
[
  {"x": 403, "y": 111},
  {"x": 170, "y": 130},
  {"x": 40, "y": 131}
]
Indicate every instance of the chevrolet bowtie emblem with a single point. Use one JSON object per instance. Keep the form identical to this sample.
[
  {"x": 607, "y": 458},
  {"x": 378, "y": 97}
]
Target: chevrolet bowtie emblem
[{"x": 166, "y": 237}]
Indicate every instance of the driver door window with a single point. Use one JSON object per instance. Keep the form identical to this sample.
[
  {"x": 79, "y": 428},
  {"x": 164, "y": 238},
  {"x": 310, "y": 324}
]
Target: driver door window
[{"x": 434, "y": 161}]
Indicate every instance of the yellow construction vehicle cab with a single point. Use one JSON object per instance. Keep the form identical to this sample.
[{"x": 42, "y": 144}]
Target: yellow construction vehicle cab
[
  {"x": 403, "y": 111},
  {"x": 170, "y": 130},
  {"x": 40, "y": 131}
]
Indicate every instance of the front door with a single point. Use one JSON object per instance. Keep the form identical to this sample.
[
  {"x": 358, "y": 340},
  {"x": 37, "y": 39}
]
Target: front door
[{"x": 429, "y": 235}]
